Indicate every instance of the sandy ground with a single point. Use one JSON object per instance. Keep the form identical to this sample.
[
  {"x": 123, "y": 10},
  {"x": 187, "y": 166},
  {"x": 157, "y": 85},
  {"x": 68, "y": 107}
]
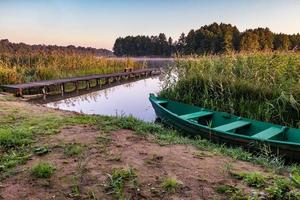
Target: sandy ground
[
  {"x": 200, "y": 172},
  {"x": 152, "y": 163}
]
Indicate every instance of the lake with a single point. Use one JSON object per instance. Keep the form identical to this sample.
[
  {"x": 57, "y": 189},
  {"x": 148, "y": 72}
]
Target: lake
[{"x": 127, "y": 99}]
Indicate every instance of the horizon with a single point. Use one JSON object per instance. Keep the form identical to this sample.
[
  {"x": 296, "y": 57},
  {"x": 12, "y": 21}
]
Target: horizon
[{"x": 98, "y": 23}]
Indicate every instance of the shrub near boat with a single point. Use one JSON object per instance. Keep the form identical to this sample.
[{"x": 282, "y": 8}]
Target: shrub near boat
[{"x": 226, "y": 128}]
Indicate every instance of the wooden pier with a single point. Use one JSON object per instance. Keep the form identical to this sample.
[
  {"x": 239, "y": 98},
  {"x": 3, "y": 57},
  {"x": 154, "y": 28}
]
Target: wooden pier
[{"x": 43, "y": 87}]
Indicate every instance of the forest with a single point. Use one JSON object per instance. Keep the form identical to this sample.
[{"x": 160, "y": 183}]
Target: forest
[
  {"x": 23, "y": 49},
  {"x": 209, "y": 39}
]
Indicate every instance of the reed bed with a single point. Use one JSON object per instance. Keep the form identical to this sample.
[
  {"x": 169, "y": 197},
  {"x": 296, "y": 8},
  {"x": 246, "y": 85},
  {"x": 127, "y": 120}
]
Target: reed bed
[
  {"x": 33, "y": 67},
  {"x": 262, "y": 86}
]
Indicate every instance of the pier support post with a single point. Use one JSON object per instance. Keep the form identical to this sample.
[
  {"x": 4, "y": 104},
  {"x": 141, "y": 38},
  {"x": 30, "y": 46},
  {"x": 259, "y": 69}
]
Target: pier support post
[
  {"x": 44, "y": 90},
  {"x": 88, "y": 85},
  {"x": 62, "y": 89},
  {"x": 19, "y": 92},
  {"x": 99, "y": 83}
]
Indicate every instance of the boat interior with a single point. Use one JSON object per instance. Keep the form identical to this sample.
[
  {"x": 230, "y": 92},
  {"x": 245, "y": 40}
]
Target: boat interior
[{"x": 224, "y": 122}]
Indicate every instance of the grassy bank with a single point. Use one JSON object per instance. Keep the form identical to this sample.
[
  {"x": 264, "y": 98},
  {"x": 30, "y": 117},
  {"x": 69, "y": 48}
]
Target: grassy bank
[
  {"x": 23, "y": 127},
  {"x": 24, "y": 68},
  {"x": 262, "y": 86}
]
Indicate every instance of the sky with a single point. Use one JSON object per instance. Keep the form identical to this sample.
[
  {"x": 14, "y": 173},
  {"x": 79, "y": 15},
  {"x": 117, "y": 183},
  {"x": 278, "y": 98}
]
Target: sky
[{"x": 97, "y": 23}]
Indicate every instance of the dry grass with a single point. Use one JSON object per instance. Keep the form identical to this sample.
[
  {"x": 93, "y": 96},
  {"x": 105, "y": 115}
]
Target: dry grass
[{"x": 25, "y": 68}]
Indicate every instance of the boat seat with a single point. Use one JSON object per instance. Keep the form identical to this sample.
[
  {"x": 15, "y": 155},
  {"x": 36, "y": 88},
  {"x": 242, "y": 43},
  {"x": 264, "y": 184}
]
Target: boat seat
[
  {"x": 195, "y": 114},
  {"x": 268, "y": 133},
  {"x": 161, "y": 101},
  {"x": 232, "y": 126}
]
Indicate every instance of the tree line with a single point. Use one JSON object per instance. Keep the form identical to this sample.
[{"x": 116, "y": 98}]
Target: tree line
[
  {"x": 144, "y": 46},
  {"x": 21, "y": 48},
  {"x": 209, "y": 39}
]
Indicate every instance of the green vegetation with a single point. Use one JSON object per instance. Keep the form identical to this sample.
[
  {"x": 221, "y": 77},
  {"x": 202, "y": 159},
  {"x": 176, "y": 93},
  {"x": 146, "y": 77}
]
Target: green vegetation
[
  {"x": 232, "y": 192},
  {"x": 262, "y": 86},
  {"x": 43, "y": 170},
  {"x": 295, "y": 176},
  {"x": 209, "y": 39},
  {"x": 11, "y": 159},
  {"x": 143, "y": 46},
  {"x": 75, "y": 189},
  {"x": 15, "y": 68},
  {"x": 171, "y": 185},
  {"x": 253, "y": 179},
  {"x": 227, "y": 189},
  {"x": 118, "y": 179},
  {"x": 276, "y": 187},
  {"x": 73, "y": 149},
  {"x": 17, "y": 132},
  {"x": 21, "y": 48},
  {"x": 282, "y": 189}
]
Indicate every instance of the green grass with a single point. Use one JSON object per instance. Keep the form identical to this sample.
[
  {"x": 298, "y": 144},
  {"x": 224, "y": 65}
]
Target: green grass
[
  {"x": 18, "y": 134},
  {"x": 262, "y": 86},
  {"x": 171, "y": 185},
  {"x": 232, "y": 192},
  {"x": 11, "y": 137},
  {"x": 42, "y": 170},
  {"x": 118, "y": 179},
  {"x": 226, "y": 189},
  {"x": 254, "y": 179},
  {"x": 7, "y": 97},
  {"x": 275, "y": 187},
  {"x": 282, "y": 189},
  {"x": 73, "y": 150},
  {"x": 13, "y": 158}
]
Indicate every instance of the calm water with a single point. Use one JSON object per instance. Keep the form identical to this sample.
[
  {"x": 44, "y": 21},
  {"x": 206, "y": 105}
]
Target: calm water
[{"x": 127, "y": 99}]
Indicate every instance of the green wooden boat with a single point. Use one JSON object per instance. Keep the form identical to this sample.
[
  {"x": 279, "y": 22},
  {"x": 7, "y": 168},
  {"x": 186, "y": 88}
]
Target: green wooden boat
[{"x": 226, "y": 128}]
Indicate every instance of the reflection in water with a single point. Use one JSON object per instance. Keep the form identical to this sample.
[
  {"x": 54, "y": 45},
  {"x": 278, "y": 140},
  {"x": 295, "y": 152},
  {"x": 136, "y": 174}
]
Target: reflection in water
[{"x": 128, "y": 99}]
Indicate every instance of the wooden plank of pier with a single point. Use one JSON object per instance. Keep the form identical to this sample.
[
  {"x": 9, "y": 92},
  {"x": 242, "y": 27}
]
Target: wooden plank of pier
[{"x": 18, "y": 88}]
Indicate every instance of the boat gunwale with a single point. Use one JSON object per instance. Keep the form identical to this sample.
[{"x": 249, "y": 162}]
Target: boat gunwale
[{"x": 223, "y": 132}]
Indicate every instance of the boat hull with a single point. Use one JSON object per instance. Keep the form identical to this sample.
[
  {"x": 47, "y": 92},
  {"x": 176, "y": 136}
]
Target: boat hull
[{"x": 288, "y": 151}]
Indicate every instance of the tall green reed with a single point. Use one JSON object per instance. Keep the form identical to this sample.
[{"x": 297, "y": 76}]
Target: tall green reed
[{"x": 262, "y": 86}]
